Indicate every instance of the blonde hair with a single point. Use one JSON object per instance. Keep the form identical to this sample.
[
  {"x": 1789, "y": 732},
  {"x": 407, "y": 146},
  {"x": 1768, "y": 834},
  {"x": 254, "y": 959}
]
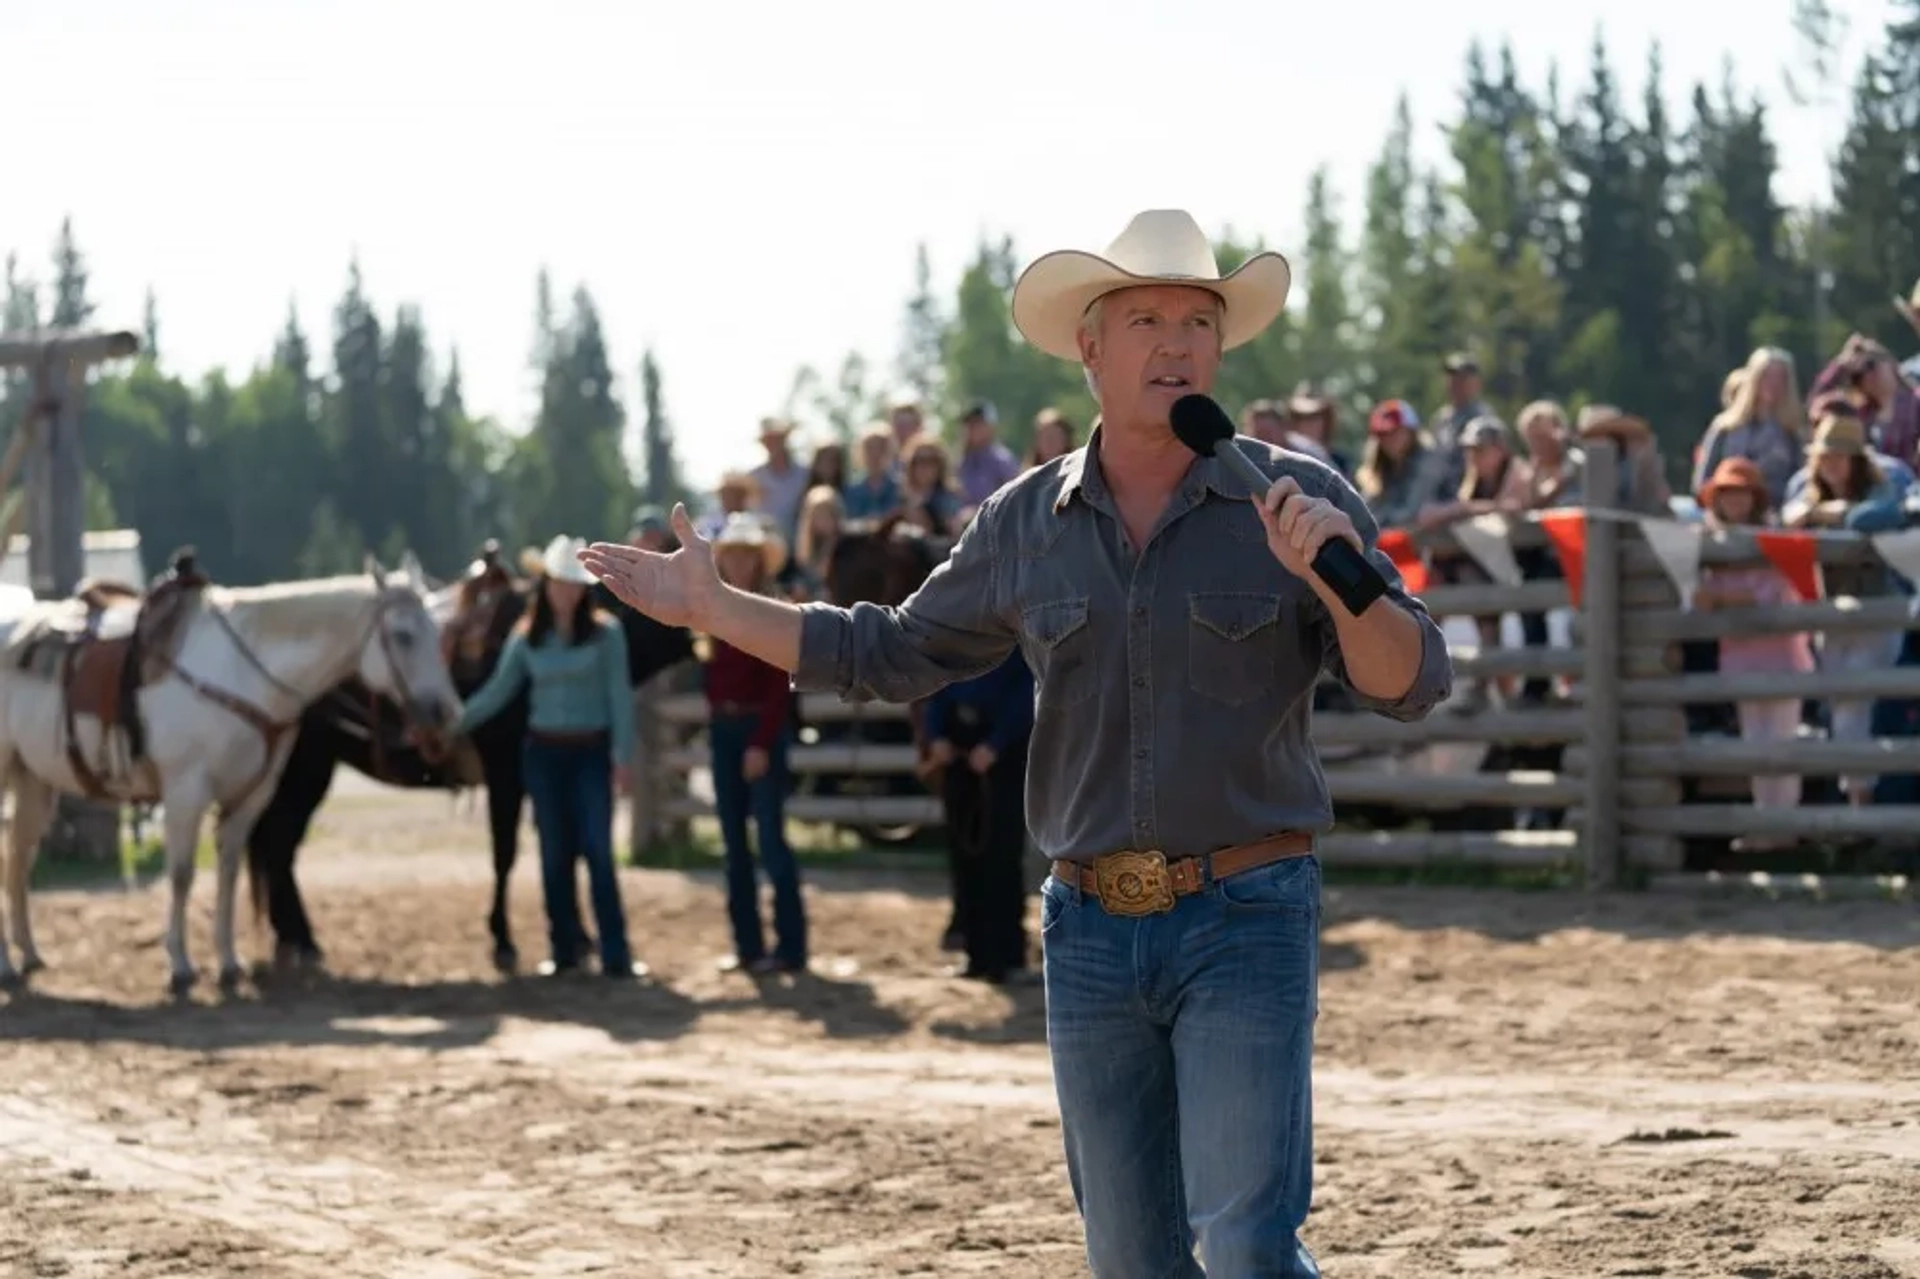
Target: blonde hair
[
  {"x": 820, "y": 497},
  {"x": 1537, "y": 410},
  {"x": 1744, "y": 408}
]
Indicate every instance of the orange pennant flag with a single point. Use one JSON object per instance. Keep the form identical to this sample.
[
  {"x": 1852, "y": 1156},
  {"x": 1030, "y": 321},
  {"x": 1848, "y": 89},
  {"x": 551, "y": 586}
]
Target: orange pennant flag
[
  {"x": 1567, "y": 530},
  {"x": 1397, "y": 545},
  {"x": 1797, "y": 556}
]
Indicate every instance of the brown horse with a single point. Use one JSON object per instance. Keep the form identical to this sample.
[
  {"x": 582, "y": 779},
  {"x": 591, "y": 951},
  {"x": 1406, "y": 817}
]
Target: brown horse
[{"x": 880, "y": 561}]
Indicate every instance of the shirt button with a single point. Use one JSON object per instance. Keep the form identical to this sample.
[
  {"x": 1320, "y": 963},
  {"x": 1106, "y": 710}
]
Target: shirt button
[
  {"x": 1139, "y": 681},
  {"x": 1140, "y": 611},
  {"x": 1140, "y": 753}
]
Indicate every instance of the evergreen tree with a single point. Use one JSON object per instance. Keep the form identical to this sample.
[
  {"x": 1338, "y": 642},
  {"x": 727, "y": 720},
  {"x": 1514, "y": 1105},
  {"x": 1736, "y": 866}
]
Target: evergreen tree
[
  {"x": 922, "y": 331},
  {"x": 71, "y": 306},
  {"x": 150, "y": 327},
  {"x": 662, "y": 485}
]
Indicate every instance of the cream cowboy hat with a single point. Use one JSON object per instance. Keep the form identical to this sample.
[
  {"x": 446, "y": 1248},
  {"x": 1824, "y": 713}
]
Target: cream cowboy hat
[
  {"x": 1160, "y": 246},
  {"x": 743, "y": 529},
  {"x": 561, "y": 560}
]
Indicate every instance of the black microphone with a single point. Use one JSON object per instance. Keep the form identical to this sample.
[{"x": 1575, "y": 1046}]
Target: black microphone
[{"x": 1204, "y": 426}]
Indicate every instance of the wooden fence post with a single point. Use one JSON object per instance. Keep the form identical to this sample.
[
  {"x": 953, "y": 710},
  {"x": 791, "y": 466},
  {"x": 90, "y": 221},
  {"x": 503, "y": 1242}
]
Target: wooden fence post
[
  {"x": 1600, "y": 599},
  {"x": 55, "y": 482}
]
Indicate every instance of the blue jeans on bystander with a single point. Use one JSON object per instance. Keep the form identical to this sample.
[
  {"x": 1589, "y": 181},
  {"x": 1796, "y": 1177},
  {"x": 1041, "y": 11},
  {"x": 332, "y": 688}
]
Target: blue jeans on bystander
[
  {"x": 571, "y": 785},
  {"x": 735, "y": 799}
]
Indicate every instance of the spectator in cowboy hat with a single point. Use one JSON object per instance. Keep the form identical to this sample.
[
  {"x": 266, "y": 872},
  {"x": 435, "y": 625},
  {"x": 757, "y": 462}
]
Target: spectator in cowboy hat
[
  {"x": 737, "y": 491},
  {"x": 1172, "y": 779},
  {"x": 1265, "y": 421},
  {"x": 1312, "y": 419},
  {"x": 749, "y": 730},
  {"x": 782, "y": 477},
  {"x": 573, "y": 660},
  {"x": 1642, "y": 486}
]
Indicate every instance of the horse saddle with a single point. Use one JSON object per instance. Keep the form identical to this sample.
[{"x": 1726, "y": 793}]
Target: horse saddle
[{"x": 106, "y": 643}]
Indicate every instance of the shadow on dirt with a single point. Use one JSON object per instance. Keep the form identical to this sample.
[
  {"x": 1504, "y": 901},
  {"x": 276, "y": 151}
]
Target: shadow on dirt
[{"x": 316, "y": 1009}]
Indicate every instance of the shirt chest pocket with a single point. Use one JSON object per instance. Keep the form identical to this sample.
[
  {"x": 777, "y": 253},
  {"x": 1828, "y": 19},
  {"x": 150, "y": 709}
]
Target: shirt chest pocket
[
  {"x": 1233, "y": 644},
  {"x": 1064, "y": 661}
]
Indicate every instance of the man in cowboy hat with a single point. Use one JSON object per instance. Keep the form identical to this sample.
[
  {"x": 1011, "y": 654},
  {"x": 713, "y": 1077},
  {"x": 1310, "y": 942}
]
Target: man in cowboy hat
[
  {"x": 1172, "y": 778},
  {"x": 782, "y": 477}
]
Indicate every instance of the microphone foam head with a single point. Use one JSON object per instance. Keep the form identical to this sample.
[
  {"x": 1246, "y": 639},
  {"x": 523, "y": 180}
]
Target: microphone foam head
[{"x": 1199, "y": 423}]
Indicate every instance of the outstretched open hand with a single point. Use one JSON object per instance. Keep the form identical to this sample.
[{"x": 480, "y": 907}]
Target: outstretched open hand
[{"x": 678, "y": 589}]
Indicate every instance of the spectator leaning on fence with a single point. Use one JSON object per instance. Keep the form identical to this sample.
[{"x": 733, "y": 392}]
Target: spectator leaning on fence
[
  {"x": 1400, "y": 468},
  {"x": 1762, "y": 423},
  {"x": 1171, "y": 772},
  {"x": 877, "y": 491},
  {"x": 1846, "y": 489}
]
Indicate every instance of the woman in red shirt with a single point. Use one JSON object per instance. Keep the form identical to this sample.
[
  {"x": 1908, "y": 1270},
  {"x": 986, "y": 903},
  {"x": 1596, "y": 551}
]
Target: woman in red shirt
[{"x": 748, "y": 703}]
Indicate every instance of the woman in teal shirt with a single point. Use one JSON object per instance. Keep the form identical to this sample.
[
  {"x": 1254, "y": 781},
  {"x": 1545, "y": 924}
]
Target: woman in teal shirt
[{"x": 579, "y": 739}]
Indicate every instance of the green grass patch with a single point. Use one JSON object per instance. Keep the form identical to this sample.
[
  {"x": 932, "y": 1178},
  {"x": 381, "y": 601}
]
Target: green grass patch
[{"x": 138, "y": 862}]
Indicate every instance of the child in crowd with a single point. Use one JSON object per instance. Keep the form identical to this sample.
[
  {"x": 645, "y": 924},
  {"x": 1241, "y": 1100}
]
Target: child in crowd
[{"x": 1736, "y": 495}]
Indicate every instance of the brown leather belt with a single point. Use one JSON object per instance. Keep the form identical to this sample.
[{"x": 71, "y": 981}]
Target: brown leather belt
[{"x": 1147, "y": 883}]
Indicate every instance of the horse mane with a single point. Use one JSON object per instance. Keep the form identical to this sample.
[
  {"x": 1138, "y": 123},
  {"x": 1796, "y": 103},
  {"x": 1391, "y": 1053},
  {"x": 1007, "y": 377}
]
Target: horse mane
[{"x": 295, "y": 610}]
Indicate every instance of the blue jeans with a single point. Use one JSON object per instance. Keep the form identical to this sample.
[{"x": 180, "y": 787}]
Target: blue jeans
[
  {"x": 1182, "y": 1053},
  {"x": 765, "y": 800},
  {"x": 571, "y": 785}
]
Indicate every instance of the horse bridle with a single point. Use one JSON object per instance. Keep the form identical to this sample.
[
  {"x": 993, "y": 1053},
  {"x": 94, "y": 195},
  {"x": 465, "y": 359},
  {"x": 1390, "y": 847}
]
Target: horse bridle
[{"x": 272, "y": 730}]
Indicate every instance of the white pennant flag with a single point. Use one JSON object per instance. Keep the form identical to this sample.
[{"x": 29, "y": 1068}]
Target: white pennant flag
[
  {"x": 1901, "y": 551},
  {"x": 1485, "y": 538},
  {"x": 1676, "y": 544}
]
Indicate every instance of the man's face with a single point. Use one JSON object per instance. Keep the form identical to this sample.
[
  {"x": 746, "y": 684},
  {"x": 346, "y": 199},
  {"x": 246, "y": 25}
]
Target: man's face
[
  {"x": 979, "y": 432},
  {"x": 1463, "y": 387},
  {"x": 1153, "y": 345},
  {"x": 906, "y": 423}
]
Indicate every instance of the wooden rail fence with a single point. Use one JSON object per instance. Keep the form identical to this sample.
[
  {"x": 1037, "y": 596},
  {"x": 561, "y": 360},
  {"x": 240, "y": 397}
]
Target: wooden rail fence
[{"x": 1617, "y": 710}]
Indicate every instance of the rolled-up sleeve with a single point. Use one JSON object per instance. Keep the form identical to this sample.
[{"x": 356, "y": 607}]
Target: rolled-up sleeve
[
  {"x": 951, "y": 629},
  {"x": 1434, "y": 682}
]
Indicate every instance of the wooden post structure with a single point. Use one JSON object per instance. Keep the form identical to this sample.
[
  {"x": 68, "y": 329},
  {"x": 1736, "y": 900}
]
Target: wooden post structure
[
  {"x": 1600, "y": 600},
  {"x": 55, "y": 482}
]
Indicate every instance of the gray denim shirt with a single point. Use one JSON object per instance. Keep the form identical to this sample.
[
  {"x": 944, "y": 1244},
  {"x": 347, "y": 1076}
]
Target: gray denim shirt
[{"x": 1174, "y": 688}]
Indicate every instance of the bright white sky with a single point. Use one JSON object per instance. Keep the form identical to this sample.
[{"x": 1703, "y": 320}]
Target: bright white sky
[{"x": 740, "y": 185}]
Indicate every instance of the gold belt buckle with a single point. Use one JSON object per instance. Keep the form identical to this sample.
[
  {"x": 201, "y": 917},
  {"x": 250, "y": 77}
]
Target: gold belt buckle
[{"x": 1134, "y": 883}]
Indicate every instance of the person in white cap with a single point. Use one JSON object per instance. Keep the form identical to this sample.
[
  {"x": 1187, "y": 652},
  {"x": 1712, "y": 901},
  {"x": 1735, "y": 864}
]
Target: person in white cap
[
  {"x": 579, "y": 739},
  {"x": 1176, "y": 632}
]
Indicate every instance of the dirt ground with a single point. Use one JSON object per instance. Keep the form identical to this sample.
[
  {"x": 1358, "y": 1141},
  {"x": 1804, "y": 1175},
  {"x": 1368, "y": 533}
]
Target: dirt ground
[{"x": 1508, "y": 1084}]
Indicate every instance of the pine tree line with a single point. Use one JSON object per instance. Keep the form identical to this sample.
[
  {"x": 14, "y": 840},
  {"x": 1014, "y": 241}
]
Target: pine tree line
[
  {"x": 1582, "y": 247},
  {"x": 303, "y": 465}
]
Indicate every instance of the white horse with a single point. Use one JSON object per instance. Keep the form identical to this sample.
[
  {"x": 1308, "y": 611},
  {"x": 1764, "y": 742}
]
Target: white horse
[{"x": 220, "y": 722}]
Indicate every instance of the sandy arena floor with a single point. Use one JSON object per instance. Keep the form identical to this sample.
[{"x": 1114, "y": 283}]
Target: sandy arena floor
[{"x": 1512, "y": 1085}]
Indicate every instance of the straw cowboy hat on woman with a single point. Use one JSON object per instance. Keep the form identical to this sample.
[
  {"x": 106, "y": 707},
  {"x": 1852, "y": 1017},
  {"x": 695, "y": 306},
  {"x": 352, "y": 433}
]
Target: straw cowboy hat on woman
[
  {"x": 744, "y": 529},
  {"x": 1172, "y": 781}
]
